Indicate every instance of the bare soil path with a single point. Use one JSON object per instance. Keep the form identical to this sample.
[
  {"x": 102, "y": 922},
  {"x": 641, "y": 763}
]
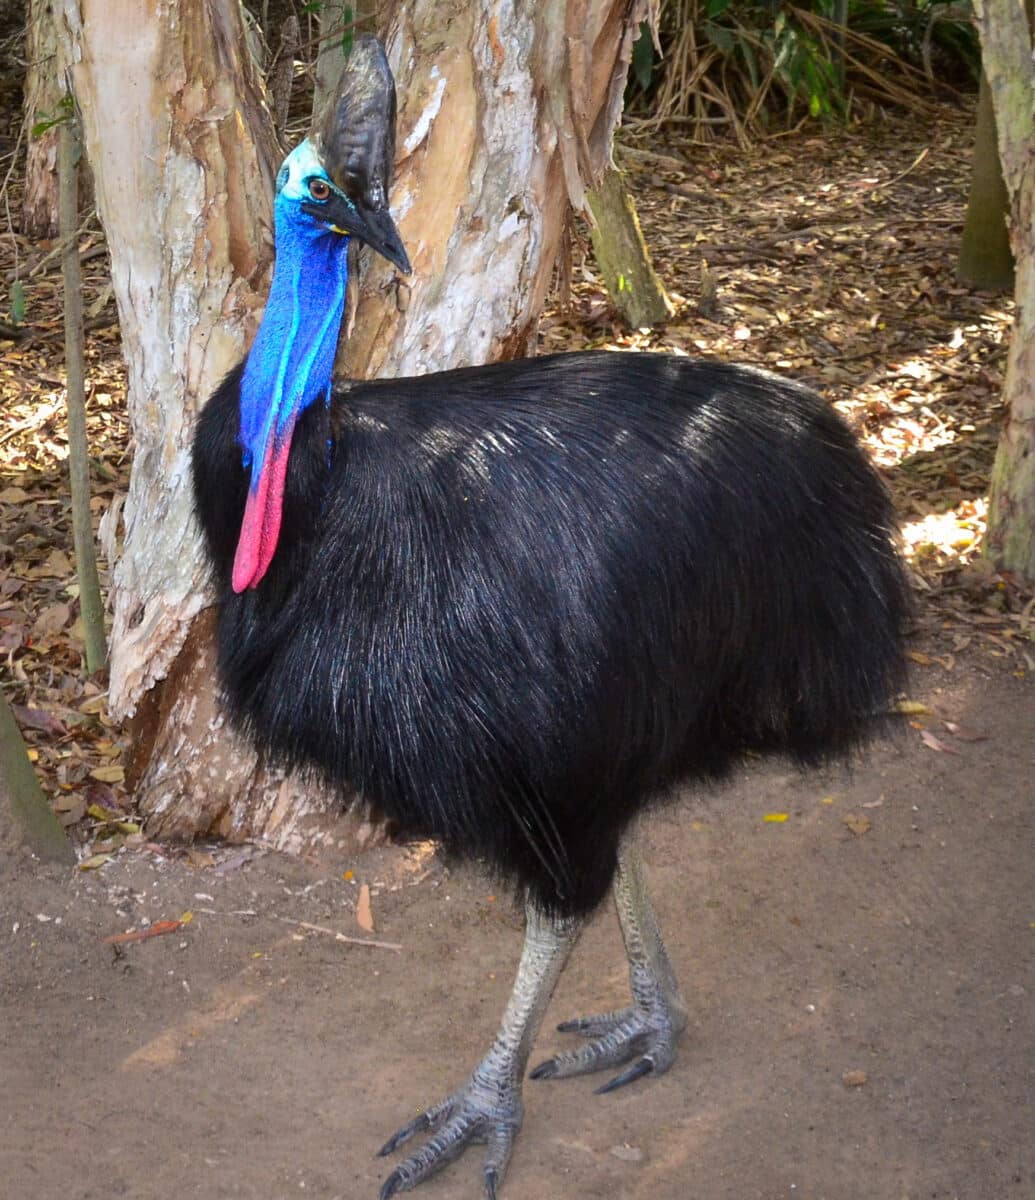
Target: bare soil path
[{"x": 860, "y": 975}]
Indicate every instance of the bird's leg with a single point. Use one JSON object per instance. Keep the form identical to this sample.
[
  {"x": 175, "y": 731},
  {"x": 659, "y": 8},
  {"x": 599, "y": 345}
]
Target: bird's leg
[
  {"x": 488, "y": 1107},
  {"x": 644, "y": 1034}
]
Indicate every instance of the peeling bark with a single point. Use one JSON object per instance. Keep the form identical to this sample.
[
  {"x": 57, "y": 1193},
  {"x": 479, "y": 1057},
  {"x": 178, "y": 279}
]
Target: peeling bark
[
  {"x": 505, "y": 111},
  {"x": 506, "y": 114},
  {"x": 1007, "y": 58}
]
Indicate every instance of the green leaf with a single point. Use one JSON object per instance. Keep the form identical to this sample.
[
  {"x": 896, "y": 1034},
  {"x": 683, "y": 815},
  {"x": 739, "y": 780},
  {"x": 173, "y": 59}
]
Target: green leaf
[
  {"x": 715, "y": 8},
  {"x": 17, "y": 302}
]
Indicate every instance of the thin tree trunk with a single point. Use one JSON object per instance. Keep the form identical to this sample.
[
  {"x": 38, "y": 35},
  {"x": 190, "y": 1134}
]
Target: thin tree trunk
[
  {"x": 44, "y": 89},
  {"x": 90, "y": 605},
  {"x": 25, "y": 815},
  {"x": 986, "y": 260},
  {"x": 622, "y": 255},
  {"x": 503, "y": 116},
  {"x": 1006, "y": 49}
]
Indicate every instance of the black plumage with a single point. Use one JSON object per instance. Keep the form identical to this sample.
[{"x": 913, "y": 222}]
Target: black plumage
[{"x": 514, "y": 604}]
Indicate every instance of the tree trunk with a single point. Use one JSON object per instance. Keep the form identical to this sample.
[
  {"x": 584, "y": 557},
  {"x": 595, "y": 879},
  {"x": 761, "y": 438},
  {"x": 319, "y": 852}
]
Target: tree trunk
[
  {"x": 503, "y": 116},
  {"x": 25, "y": 816},
  {"x": 90, "y": 604},
  {"x": 44, "y": 89},
  {"x": 622, "y": 256},
  {"x": 1006, "y": 52},
  {"x": 986, "y": 260}
]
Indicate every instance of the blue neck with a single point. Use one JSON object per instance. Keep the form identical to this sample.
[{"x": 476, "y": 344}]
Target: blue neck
[{"x": 291, "y": 360}]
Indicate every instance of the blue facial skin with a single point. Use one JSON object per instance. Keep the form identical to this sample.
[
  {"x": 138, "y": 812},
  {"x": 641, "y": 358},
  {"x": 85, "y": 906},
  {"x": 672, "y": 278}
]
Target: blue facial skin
[{"x": 289, "y": 365}]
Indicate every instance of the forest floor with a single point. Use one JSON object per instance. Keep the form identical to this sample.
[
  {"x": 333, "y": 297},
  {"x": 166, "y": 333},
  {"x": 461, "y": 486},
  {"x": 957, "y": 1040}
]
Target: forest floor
[{"x": 857, "y": 951}]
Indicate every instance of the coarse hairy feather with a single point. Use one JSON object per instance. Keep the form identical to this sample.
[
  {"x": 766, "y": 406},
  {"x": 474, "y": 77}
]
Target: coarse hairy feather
[{"x": 514, "y": 604}]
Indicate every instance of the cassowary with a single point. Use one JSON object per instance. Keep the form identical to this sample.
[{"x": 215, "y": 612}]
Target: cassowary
[{"x": 514, "y": 605}]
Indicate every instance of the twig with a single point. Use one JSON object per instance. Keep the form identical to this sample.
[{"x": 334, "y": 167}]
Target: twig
[
  {"x": 59, "y": 249},
  {"x": 912, "y": 167},
  {"x": 340, "y": 937}
]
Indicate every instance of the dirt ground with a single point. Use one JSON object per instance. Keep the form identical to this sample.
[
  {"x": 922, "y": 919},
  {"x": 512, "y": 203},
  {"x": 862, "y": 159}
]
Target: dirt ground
[
  {"x": 860, "y": 974},
  {"x": 860, "y": 979}
]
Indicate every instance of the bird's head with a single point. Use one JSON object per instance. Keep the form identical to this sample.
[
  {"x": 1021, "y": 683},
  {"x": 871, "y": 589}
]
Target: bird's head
[
  {"x": 332, "y": 187},
  {"x": 309, "y": 205}
]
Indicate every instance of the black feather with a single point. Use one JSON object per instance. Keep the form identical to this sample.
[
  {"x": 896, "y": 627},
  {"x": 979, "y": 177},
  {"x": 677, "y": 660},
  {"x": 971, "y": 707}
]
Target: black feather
[{"x": 514, "y": 604}]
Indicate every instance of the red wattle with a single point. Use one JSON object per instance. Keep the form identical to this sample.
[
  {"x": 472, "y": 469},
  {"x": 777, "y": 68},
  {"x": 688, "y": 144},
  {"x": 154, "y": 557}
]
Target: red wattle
[{"x": 263, "y": 509}]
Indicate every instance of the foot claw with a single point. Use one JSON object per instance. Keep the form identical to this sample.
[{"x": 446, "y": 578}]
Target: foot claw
[
  {"x": 644, "y": 1035},
  {"x": 390, "y": 1186},
  {"x": 545, "y": 1070},
  {"x": 475, "y": 1113},
  {"x": 417, "y": 1125},
  {"x": 641, "y": 1067}
]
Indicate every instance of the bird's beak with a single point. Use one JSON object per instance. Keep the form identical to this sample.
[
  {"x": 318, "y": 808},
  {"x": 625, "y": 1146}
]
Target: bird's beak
[{"x": 371, "y": 225}]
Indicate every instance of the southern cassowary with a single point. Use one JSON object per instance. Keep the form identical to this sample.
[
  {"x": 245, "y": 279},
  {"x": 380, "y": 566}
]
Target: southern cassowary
[{"x": 514, "y": 605}]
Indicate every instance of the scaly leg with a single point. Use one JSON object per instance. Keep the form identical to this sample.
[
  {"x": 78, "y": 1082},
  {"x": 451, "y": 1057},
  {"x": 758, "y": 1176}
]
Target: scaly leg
[
  {"x": 646, "y": 1031},
  {"x": 488, "y": 1107}
]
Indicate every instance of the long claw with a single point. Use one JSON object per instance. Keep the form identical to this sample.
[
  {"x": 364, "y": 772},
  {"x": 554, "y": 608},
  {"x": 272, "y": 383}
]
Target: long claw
[
  {"x": 641, "y": 1067},
  {"x": 545, "y": 1070},
  {"x": 417, "y": 1125},
  {"x": 390, "y": 1186},
  {"x": 491, "y": 1178}
]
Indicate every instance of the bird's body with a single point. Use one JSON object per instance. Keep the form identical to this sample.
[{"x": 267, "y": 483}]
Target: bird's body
[{"x": 512, "y": 605}]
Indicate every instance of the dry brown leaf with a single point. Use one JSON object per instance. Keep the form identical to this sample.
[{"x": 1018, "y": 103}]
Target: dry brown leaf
[
  {"x": 37, "y": 718},
  {"x": 57, "y": 566},
  {"x": 364, "y": 917},
  {"x": 93, "y": 862},
  {"x": 112, "y": 773},
  {"x": 51, "y": 620},
  {"x": 933, "y": 743},
  {"x": 963, "y": 733}
]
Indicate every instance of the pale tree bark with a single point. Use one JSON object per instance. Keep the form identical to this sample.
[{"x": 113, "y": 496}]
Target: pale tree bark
[
  {"x": 1007, "y": 58},
  {"x": 505, "y": 114},
  {"x": 184, "y": 157},
  {"x": 44, "y": 89}
]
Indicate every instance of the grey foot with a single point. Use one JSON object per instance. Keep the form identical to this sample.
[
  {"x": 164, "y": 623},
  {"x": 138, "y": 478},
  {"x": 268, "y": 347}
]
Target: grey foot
[
  {"x": 483, "y": 1110},
  {"x": 643, "y": 1035}
]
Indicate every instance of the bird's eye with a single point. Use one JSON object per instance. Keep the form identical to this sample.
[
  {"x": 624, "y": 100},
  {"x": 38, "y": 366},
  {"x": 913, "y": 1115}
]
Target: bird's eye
[{"x": 319, "y": 189}]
